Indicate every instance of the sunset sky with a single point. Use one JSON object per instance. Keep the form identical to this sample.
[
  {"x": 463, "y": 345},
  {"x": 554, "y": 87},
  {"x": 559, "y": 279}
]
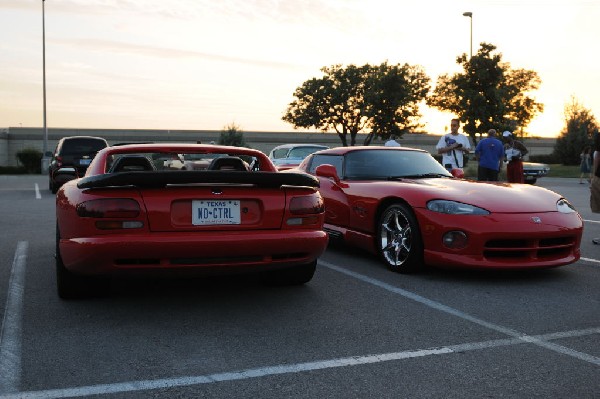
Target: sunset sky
[{"x": 204, "y": 64}]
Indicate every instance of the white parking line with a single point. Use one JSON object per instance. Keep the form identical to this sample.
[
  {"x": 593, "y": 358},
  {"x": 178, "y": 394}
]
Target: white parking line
[
  {"x": 37, "y": 192},
  {"x": 465, "y": 316},
  {"x": 10, "y": 335},
  {"x": 596, "y": 261},
  {"x": 133, "y": 386},
  {"x": 10, "y": 344}
]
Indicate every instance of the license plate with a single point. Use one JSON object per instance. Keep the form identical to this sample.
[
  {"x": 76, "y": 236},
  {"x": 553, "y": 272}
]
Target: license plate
[
  {"x": 85, "y": 162},
  {"x": 207, "y": 212}
]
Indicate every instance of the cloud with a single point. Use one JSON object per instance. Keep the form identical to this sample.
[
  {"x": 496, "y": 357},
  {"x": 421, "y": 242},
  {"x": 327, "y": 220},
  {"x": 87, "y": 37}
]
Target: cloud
[{"x": 164, "y": 52}]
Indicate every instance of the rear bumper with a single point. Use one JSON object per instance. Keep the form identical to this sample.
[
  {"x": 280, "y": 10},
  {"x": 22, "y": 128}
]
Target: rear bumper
[{"x": 190, "y": 252}]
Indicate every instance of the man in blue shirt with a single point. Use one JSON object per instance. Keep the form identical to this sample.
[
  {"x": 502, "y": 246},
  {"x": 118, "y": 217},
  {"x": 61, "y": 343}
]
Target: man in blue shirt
[{"x": 490, "y": 153}]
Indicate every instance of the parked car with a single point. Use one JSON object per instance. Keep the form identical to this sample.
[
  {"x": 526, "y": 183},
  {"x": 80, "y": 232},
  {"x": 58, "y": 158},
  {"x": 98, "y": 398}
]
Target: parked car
[
  {"x": 533, "y": 171},
  {"x": 132, "y": 215},
  {"x": 74, "y": 153},
  {"x": 401, "y": 204},
  {"x": 289, "y": 156}
]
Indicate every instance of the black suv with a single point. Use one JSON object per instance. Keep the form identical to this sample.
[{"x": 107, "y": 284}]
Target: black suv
[{"x": 74, "y": 152}]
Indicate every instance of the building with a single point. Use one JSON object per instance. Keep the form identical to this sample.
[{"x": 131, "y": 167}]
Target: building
[{"x": 15, "y": 139}]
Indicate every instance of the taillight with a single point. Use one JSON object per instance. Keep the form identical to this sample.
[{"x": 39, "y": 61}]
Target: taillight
[
  {"x": 307, "y": 204},
  {"x": 59, "y": 161},
  {"x": 109, "y": 208},
  {"x": 307, "y": 210}
]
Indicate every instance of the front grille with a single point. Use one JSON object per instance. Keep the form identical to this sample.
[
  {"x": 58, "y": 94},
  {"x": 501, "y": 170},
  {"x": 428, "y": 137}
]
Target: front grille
[
  {"x": 334, "y": 234},
  {"x": 530, "y": 249}
]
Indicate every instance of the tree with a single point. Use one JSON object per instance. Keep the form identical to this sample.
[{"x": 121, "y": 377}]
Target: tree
[
  {"x": 382, "y": 99},
  {"x": 488, "y": 94},
  {"x": 232, "y": 135},
  {"x": 392, "y": 100},
  {"x": 580, "y": 125}
]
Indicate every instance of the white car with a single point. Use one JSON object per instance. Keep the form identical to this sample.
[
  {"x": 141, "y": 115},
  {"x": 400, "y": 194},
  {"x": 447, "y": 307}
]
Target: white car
[
  {"x": 288, "y": 156},
  {"x": 533, "y": 171}
]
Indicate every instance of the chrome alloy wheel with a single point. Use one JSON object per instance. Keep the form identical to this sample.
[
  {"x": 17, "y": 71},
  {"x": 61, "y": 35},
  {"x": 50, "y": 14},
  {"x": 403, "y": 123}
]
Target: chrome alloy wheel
[{"x": 399, "y": 239}]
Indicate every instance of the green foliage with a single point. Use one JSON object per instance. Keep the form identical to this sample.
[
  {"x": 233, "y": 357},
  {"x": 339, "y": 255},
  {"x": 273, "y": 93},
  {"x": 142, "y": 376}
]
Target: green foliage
[
  {"x": 558, "y": 170},
  {"x": 232, "y": 135},
  {"x": 488, "y": 94},
  {"x": 580, "y": 125},
  {"x": 31, "y": 159},
  {"x": 544, "y": 158},
  {"x": 382, "y": 99}
]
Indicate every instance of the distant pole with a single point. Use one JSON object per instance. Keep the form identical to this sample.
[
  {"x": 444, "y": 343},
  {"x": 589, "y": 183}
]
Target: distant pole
[
  {"x": 470, "y": 15},
  {"x": 44, "y": 78}
]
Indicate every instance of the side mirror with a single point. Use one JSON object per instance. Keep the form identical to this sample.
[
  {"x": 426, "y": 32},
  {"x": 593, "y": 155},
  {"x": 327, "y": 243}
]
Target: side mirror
[
  {"x": 64, "y": 175},
  {"x": 327, "y": 171},
  {"x": 48, "y": 154}
]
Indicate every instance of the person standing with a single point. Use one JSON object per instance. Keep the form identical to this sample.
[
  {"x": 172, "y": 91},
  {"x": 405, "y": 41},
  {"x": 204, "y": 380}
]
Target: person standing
[
  {"x": 514, "y": 151},
  {"x": 490, "y": 153},
  {"x": 393, "y": 141},
  {"x": 586, "y": 164},
  {"x": 453, "y": 146},
  {"x": 595, "y": 184}
]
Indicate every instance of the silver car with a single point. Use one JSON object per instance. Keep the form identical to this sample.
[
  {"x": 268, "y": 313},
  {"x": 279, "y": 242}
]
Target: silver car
[
  {"x": 533, "y": 171},
  {"x": 288, "y": 156}
]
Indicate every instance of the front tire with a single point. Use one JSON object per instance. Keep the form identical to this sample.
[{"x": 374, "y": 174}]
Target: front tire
[{"x": 399, "y": 239}]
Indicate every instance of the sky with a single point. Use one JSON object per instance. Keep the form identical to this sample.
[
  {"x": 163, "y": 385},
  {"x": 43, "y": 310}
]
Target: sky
[{"x": 207, "y": 64}]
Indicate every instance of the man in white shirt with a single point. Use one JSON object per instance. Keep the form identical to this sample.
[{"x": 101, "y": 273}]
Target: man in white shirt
[
  {"x": 453, "y": 146},
  {"x": 392, "y": 142}
]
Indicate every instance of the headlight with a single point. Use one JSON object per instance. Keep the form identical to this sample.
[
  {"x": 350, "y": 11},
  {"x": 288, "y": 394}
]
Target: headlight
[
  {"x": 455, "y": 208},
  {"x": 564, "y": 206}
]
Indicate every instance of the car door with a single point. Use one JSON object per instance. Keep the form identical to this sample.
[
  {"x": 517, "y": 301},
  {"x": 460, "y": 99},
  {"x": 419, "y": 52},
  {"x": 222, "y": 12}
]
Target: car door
[{"x": 336, "y": 203}]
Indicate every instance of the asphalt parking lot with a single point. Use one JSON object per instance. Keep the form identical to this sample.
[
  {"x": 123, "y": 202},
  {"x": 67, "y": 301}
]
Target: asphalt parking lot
[{"x": 356, "y": 330}]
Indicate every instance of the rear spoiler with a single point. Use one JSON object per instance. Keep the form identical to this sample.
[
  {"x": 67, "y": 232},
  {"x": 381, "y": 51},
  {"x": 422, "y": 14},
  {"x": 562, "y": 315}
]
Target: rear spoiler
[{"x": 161, "y": 179}]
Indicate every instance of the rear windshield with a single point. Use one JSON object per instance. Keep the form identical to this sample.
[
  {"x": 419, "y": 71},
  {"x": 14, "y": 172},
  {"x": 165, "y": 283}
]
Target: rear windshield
[
  {"x": 169, "y": 161},
  {"x": 82, "y": 146}
]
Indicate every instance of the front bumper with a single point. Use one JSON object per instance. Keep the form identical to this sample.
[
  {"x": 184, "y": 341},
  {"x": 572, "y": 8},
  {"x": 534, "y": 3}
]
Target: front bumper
[{"x": 503, "y": 241}]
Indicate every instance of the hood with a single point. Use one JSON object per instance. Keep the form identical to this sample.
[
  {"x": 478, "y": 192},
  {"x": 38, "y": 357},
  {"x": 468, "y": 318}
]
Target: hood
[{"x": 495, "y": 197}]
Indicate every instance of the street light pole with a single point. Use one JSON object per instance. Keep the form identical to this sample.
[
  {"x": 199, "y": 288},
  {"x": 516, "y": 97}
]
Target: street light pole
[
  {"x": 45, "y": 161},
  {"x": 470, "y": 15}
]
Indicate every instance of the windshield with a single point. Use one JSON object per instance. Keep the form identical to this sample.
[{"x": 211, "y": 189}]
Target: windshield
[
  {"x": 303, "y": 152},
  {"x": 166, "y": 161},
  {"x": 385, "y": 164}
]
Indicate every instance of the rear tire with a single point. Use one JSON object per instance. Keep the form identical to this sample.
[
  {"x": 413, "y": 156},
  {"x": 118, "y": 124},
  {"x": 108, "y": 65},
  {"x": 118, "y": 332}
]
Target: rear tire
[
  {"x": 296, "y": 275},
  {"x": 399, "y": 241},
  {"x": 74, "y": 286},
  {"x": 53, "y": 187}
]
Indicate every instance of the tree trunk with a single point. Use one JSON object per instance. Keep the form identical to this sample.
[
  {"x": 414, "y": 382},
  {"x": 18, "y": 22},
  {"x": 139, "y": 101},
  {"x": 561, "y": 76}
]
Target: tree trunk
[{"x": 342, "y": 136}]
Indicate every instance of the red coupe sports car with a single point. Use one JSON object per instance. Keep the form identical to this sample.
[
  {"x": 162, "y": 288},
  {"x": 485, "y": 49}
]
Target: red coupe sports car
[
  {"x": 402, "y": 204},
  {"x": 131, "y": 214}
]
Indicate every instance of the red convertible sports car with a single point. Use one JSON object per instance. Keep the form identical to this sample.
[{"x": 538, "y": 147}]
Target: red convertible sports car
[
  {"x": 402, "y": 204},
  {"x": 131, "y": 214}
]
